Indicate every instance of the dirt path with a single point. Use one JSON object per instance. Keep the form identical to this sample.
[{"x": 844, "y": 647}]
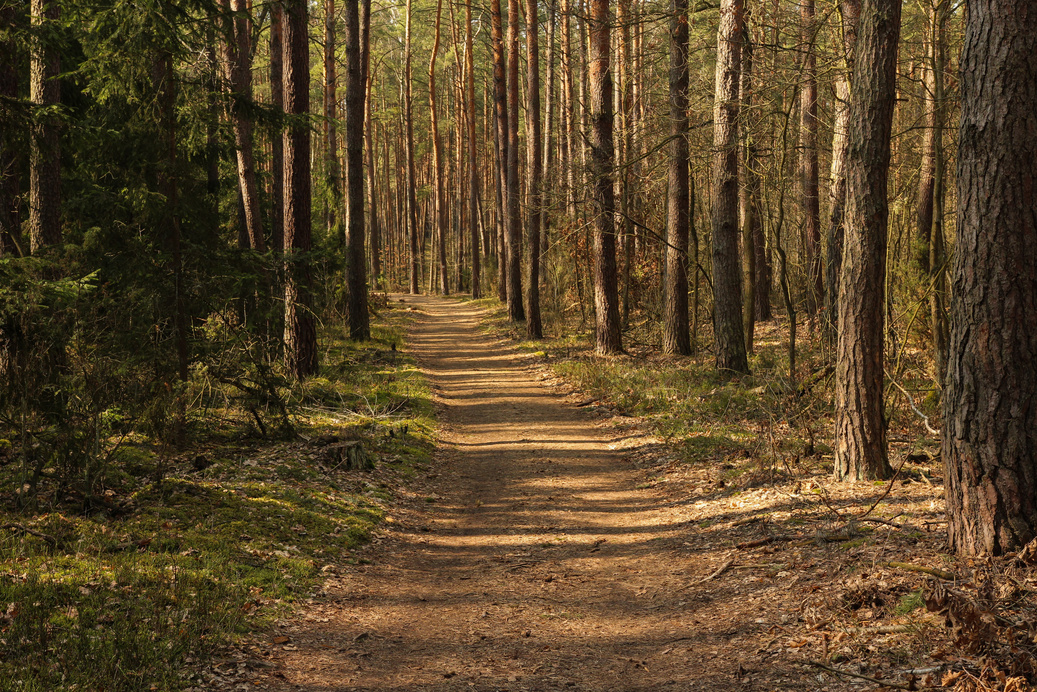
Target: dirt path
[{"x": 535, "y": 562}]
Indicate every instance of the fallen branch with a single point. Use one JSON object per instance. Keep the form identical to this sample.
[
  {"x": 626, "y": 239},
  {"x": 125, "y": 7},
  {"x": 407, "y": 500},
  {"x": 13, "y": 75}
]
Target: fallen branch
[
  {"x": 846, "y": 673},
  {"x": 941, "y": 574},
  {"x": 39, "y": 534},
  {"x": 716, "y": 573},
  {"x": 762, "y": 541}
]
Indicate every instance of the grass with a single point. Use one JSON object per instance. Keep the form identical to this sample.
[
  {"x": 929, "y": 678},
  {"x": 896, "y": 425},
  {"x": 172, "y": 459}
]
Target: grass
[{"x": 206, "y": 545}]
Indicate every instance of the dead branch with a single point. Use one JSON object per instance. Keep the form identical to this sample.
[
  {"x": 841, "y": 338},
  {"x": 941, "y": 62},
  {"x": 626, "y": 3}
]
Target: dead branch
[
  {"x": 716, "y": 573},
  {"x": 846, "y": 673},
  {"x": 39, "y": 534},
  {"x": 939, "y": 573}
]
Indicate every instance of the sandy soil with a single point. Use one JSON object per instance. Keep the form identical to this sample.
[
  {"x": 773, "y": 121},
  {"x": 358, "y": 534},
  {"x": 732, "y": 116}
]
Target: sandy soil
[{"x": 536, "y": 559}]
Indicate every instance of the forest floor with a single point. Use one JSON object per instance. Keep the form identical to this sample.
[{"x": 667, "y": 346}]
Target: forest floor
[{"x": 556, "y": 544}]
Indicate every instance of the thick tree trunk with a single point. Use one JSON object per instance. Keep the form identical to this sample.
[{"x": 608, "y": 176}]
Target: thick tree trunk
[
  {"x": 808, "y": 167},
  {"x": 513, "y": 227},
  {"x": 676, "y": 333},
  {"x": 860, "y": 425},
  {"x": 727, "y": 269},
  {"x": 534, "y": 171},
  {"x": 44, "y": 140},
  {"x": 850, "y": 10},
  {"x": 473, "y": 168},
  {"x": 990, "y": 414},
  {"x": 356, "y": 88},
  {"x": 300, "y": 330},
  {"x": 411, "y": 184},
  {"x": 603, "y": 197}
]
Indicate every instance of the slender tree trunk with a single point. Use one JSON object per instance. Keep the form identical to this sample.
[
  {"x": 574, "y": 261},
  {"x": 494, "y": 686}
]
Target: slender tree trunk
[
  {"x": 500, "y": 121},
  {"x": 473, "y": 168},
  {"x": 300, "y": 330},
  {"x": 550, "y": 178},
  {"x": 727, "y": 269},
  {"x": 602, "y": 153},
  {"x": 568, "y": 112},
  {"x": 989, "y": 413},
  {"x": 860, "y": 425},
  {"x": 412, "y": 201},
  {"x": 372, "y": 173},
  {"x": 10, "y": 233},
  {"x": 534, "y": 171},
  {"x": 356, "y": 86},
  {"x": 937, "y": 252},
  {"x": 277, "y": 102},
  {"x": 808, "y": 167},
  {"x": 513, "y": 236},
  {"x": 439, "y": 199},
  {"x": 749, "y": 195},
  {"x": 331, "y": 162},
  {"x": 850, "y": 11},
  {"x": 676, "y": 334},
  {"x": 45, "y": 139}
]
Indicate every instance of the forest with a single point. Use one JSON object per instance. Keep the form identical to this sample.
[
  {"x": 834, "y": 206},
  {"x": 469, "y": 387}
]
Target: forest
[{"x": 216, "y": 217}]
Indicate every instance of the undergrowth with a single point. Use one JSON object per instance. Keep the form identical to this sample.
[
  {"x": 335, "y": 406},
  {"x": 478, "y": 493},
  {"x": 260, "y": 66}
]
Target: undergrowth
[{"x": 174, "y": 554}]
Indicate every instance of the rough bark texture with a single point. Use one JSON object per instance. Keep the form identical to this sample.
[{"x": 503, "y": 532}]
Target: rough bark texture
[
  {"x": 45, "y": 141},
  {"x": 850, "y": 10},
  {"x": 513, "y": 225},
  {"x": 534, "y": 172},
  {"x": 727, "y": 269},
  {"x": 990, "y": 413},
  {"x": 603, "y": 199},
  {"x": 237, "y": 71},
  {"x": 356, "y": 89},
  {"x": 808, "y": 167},
  {"x": 676, "y": 333},
  {"x": 300, "y": 332},
  {"x": 860, "y": 425}
]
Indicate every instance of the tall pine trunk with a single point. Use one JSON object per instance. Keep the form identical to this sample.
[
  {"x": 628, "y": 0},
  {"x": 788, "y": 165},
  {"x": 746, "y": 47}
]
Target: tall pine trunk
[
  {"x": 473, "y": 167},
  {"x": 44, "y": 139},
  {"x": 513, "y": 227},
  {"x": 534, "y": 172},
  {"x": 808, "y": 166},
  {"x": 411, "y": 184},
  {"x": 356, "y": 92}
]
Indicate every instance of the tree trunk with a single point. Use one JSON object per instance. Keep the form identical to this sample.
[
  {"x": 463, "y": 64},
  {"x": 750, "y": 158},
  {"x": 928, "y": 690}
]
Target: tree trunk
[
  {"x": 332, "y": 173},
  {"x": 300, "y": 331},
  {"x": 372, "y": 174},
  {"x": 439, "y": 194},
  {"x": 808, "y": 168},
  {"x": 676, "y": 334},
  {"x": 534, "y": 171},
  {"x": 860, "y": 425},
  {"x": 44, "y": 140},
  {"x": 749, "y": 195},
  {"x": 473, "y": 168},
  {"x": 937, "y": 253},
  {"x": 10, "y": 233},
  {"x": 603, "y": 200},
  {"x": 412, "y": 201},
  {"x": 356, "y": 88},
  {"x": 989, "y": 447},
  {"x": 850, "y": 10},
  {"x": 727, "y": 269},
  {"x": 500, "y": 121},
  {"x": 277, "y": 102},
  {"x": 513, "y": 234}
]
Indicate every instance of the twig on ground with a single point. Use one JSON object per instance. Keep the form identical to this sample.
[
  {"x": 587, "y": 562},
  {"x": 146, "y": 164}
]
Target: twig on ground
[
  {"x": 716, "y": 573},
  {"x": 942, "y": 574},
  {"x": 889, "y": 487},
  {"x": 836, "y": 671},
  {"x": 25, "y": 529}
]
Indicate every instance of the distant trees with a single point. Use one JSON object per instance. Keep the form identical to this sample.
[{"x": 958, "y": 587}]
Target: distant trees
[{"x": 45, "y": 141}]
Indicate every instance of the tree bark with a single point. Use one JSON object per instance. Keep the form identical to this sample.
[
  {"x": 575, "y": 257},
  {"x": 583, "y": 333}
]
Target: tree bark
[
  {"x": 727, "y": 269},
  {"x": 513, "y": 231},
  {"x": 473, "y": 168},
  {"x": 356, "y": 90},
  {"x": 412, "y": 202},
  {"x": 372, "y": 173},
  {"x": 277, "y": 102},
  {"x": 10, "y": 233},
  {"x": 534, "y": 171},
  {"x": 990, "y": 415},
  {"x": 439, "y": 193},
  {"x": 749, "y": 194},
  {"x": 808, "y": 167},
  {"x": 332, "y": 172},
  {"x": 602, "y": 154},
  {"x": 500, "y": 121},
  {"x": 676, "y": 332},
  {"x": 850, "y": 11},
  {"x": 45, "y": 139},
  {"x": 860, "y": 425},
  {"x": 300, "y": 330}
]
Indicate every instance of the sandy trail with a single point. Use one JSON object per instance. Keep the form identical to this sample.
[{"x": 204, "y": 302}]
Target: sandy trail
[{"x": 538, "y": 565}]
